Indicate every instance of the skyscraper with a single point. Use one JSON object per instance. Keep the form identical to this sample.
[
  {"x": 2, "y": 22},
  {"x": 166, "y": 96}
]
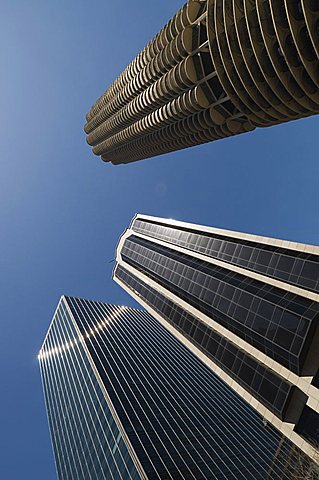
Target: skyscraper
[
  {"x": 217, "y": 68},
  {"x": 127, "y": 400},
  {"x": 248, "y": 306}
]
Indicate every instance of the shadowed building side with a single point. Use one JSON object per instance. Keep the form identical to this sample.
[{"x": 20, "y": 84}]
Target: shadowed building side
[{"x": 216, "y": 69}]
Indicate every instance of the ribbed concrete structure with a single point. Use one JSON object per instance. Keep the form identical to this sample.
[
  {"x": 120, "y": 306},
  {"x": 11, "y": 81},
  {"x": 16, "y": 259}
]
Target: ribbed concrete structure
[{"x": 217, "y": 68}]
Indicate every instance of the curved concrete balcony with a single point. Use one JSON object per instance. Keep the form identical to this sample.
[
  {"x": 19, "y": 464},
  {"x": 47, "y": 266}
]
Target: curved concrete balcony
[{"x": 250, "y": 63}]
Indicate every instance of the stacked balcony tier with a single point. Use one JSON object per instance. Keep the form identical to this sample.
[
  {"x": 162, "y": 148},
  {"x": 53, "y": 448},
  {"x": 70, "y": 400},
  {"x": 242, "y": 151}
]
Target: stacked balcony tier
[{"x": 216, "y": 69}]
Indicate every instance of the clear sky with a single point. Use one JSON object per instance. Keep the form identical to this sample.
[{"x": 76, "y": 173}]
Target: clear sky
[{"x": 62, "y": 209}]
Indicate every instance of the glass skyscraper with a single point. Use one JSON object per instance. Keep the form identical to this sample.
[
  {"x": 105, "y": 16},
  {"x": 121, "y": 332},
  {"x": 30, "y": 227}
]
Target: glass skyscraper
[
  {"x": 247, "y": 306},
  {"x": 127, "y": 400},
  {"x": 217, "y": 68}
]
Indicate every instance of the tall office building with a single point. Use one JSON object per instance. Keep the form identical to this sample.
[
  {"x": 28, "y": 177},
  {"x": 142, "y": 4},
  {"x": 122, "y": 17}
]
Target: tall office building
[
  {"x": 217, "y": 68},
  {"x": 127, "y": 400},
  {"x": 247, "y": 306}
]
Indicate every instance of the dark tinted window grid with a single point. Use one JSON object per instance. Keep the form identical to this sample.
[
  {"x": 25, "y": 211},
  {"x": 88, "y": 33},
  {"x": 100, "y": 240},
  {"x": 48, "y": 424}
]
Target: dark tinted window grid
[
  {"x": 270, "y": 389},
  {"x": 308, "y": 425},
  {"x": 275, "y": 321},
  {"x": 293, "y": 267}
]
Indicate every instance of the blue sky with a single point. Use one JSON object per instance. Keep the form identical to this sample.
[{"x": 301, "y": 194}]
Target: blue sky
[{"x": 62, "y": 209}]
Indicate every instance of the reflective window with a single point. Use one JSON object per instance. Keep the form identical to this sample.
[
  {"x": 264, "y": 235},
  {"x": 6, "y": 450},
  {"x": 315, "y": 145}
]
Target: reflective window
[
  {"x": 279, "y": 323},
  {"x": 270, "y": 389},
  {"x": 87, "y": 443},
  {"x": 182, "y": 420},
  {"x": 290, "y": 266}
]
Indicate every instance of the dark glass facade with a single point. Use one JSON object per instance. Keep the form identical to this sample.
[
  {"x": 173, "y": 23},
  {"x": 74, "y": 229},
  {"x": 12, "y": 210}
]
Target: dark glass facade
[
  {"x": 248, "y": 306},
  {"x": 315, "y": 380},
  {"x": 279, "y": 323},
  {"x": 292, "y": 463},
  {"x": 269, "y": 388},
  {"x": 291, "y": 266},
  {"x": 156, "y": 405},
  {"x": 308, "y": 425}
]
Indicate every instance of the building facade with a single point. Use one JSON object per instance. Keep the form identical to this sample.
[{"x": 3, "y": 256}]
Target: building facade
[
  {"x": 247, "y": 306},
  {"x": 217, "y": 68},
  {"x": 127, "y": 400}
]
